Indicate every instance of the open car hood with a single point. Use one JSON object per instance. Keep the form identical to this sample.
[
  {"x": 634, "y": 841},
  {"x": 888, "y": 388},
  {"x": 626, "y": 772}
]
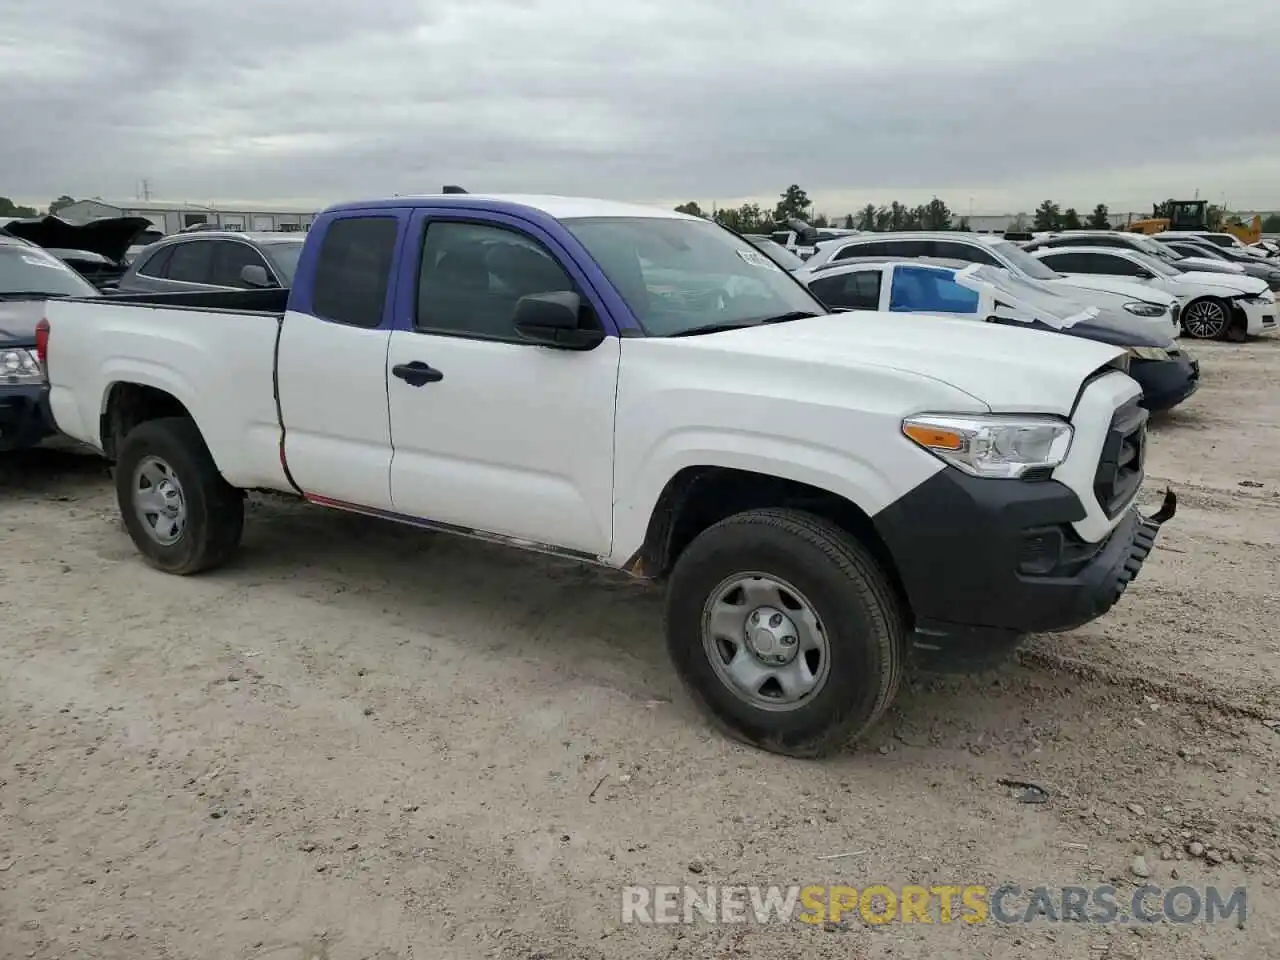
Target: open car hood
[{"x": 109, "y": 237}]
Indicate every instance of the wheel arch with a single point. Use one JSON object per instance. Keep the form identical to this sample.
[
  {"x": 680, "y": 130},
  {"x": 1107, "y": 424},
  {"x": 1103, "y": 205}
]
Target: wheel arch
[
  {"x": 126, "y": 404},
  {"x": 698, "y": 497}
]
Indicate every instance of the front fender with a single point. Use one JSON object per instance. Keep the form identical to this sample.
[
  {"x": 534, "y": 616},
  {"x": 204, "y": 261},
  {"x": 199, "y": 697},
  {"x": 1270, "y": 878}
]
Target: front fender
[{"x": 871, "y": 480}]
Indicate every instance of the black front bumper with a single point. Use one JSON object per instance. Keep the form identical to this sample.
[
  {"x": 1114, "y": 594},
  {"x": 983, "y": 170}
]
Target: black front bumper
[
  {"x": 24, "y": 415},
  {"x": 1166, "y": 383},
  {"x": 984, "y": 562}
]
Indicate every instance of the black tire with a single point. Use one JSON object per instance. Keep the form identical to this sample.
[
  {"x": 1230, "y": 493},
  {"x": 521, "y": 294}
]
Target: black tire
[
  {"x": 863, "y": 620},
  {"x": 1217, "y": 329},
  {"x": 214, "y": 510}
]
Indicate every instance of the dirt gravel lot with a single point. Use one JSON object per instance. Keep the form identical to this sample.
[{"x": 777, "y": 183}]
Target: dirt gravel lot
[{"x": 362, "y": 741}]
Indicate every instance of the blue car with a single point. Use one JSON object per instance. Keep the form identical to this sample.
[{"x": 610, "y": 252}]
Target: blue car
[
  {"x": 28, "y": 277},
  {"x": 1167, "y": 374}
]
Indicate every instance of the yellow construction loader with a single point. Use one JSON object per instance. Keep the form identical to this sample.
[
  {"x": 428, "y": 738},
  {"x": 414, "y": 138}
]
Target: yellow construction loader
[{"x": 1194, "y": 215}]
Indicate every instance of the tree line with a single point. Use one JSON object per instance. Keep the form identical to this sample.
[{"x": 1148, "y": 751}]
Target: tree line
[
  {"x": 794, "y": 203},
  {"x": 11, "y": 208}
]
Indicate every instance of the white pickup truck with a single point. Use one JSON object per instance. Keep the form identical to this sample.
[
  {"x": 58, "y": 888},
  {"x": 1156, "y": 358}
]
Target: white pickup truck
[{"x": 823, "y": 493}]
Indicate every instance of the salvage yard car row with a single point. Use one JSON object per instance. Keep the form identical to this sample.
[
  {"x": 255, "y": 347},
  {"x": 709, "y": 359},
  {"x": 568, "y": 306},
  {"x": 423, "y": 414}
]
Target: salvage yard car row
[
  {"x": 918, "y": 446},
  {"x": 824, "y": 494}
]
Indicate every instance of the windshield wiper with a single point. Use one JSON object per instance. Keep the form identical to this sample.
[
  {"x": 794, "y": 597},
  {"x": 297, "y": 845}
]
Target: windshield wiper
[
  {"x": 743, "y": 324},
  {"x": 786, "y": 317},
  {"x": 711, "y": 328}
]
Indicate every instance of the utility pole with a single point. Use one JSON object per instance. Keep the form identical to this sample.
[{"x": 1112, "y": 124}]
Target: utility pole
[{"x": 146, "y": 189}]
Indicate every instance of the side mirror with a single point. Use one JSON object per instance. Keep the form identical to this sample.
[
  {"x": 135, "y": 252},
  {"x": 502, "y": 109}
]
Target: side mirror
[
  {"x": 1146, "y": 275},
  {"x": 554, "y": 320},
  {"x": 255, "y": 275}
]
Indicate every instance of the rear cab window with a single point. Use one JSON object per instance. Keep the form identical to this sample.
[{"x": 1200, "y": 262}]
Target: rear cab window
[
  {"x": 353, "y": 269},
  {"x": 856, "y": 290}
]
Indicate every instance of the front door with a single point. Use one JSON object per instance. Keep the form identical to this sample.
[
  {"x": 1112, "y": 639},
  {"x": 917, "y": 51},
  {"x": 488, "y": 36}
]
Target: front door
[{"x": 500, "y": 436}]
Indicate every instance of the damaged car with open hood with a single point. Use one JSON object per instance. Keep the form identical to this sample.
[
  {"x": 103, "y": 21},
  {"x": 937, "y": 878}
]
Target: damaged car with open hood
[
  {"x": 1166, "y": 373},
  {"x": 97, "y": 250},
  {"x": 29, "y": 277}
]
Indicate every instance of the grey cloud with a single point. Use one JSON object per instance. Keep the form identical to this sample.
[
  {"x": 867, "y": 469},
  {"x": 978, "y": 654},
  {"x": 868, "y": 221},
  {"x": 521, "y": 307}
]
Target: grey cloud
[{"x": 325, "y": 100}]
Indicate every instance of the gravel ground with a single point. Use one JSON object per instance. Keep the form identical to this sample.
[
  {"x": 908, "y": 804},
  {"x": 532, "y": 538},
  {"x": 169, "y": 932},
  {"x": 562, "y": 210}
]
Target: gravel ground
[{"x": 362, "y": 741}]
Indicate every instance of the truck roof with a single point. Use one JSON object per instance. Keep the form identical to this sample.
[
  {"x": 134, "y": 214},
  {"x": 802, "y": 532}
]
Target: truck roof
[{"x": 558, "y": 208}]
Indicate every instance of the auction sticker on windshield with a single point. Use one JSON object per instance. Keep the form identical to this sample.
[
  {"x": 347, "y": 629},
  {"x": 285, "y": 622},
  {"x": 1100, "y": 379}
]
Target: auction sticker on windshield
[
  {"x": 757, "y": 259},
  {"x": 38, "y": 261}
]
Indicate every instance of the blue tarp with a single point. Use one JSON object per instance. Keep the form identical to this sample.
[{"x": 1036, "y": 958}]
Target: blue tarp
[{"x": 930, "y": 290}]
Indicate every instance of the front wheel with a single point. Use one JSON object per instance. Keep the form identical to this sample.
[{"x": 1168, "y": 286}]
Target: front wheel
[
  {"x": 786, "y": 631},
  {"x": 181, "y": 515},
  {"x": 1206, "y": 319}
]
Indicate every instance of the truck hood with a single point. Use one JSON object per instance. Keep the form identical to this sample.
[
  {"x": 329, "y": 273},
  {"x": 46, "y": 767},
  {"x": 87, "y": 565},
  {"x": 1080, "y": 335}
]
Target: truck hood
[
  {"x": 1128, "y": 289},
  {"x": 109, "y": 237},
  {"x": 18, "y": 319},
  {"x": 1010, "y": 370}
]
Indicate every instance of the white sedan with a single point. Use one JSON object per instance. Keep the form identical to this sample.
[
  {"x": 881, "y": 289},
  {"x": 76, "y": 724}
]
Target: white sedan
[{"x": 1213, "y": 304}]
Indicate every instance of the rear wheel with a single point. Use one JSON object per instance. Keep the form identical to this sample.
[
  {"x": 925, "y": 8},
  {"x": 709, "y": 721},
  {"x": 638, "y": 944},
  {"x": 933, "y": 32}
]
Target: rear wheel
[
  {"x": 786, "y": 631},
  {"x": 181, "y": 515},
  {"x": 1206, "y": 319}
]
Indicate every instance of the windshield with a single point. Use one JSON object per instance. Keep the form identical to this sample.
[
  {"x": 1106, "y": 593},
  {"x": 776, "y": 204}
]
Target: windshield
[
  {"x": 284, "y": 256},
  {"x": 1023, "y": 261},
  {"x": 677, "y": 275},
  {"x": 29, "y": 270},
  {"x": 1154, "y": 248},
  {"x": 1205, "y": 252},
  {"x": 1156, "y": 265},
  {"x": 1042, "y": 296},
  {"x": 780, "y": 253}
]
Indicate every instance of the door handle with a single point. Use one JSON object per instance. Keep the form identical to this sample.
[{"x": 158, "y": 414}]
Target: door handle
[{"x": 417, "y": 373}]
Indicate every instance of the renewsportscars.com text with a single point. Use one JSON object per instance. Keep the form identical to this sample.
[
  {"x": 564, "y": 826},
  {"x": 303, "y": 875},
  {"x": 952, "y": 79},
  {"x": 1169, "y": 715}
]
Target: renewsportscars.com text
[{"x": 936, "y": 904}]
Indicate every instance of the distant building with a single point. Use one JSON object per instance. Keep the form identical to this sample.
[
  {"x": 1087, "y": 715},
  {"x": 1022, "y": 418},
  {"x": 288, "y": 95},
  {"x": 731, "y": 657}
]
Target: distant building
[{"x": 172, "y": 216}]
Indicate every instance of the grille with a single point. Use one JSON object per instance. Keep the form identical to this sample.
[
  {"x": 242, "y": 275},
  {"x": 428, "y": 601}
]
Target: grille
[{"x": 1120, "y": 467}]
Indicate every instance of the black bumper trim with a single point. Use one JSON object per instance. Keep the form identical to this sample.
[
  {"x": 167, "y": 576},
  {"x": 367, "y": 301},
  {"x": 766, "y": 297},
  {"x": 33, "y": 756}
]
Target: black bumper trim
[
  {"x": 959, "y": 546},
  {"x": 1166, "y": 383},
  {"x": 24, "y": 415}
]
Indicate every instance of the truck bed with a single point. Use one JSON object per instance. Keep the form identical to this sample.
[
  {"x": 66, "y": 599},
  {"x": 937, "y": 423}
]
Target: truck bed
[
  {"x": 268, "y": 302},
  {"x": 215, "y": 352}
]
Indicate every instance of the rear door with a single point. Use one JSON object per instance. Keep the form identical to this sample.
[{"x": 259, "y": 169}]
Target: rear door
[
  {"x": 505, "y": 438},
  {"x": 851, "y": 290},
  {"x": 333, "y": 360}
]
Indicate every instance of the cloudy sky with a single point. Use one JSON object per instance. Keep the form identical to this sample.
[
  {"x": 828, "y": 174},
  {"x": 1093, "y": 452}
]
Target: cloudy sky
[{"x": 991, "y": 104}]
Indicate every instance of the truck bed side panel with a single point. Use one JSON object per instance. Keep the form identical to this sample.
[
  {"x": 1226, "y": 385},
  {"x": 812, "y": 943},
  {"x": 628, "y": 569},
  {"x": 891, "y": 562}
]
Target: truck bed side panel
[{"x": 219, "y": 365}]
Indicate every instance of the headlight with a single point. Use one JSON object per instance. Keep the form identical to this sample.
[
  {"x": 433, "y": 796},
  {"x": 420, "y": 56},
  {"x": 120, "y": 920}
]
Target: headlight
[
  {"x": 19, "y": 366},
  {"x": 992, "y": 446},
  {"x": 1141, "y": 309},
  {"x": 1256, "y": 301},
  {"x": 1148, "y": 353}
]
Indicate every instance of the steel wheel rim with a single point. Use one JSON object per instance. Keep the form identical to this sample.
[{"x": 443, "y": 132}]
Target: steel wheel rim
[
  {"x": 765, "y": 642},
  {"x": 1204, "y": 320},
  {"x": 158, "y": 501}
]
